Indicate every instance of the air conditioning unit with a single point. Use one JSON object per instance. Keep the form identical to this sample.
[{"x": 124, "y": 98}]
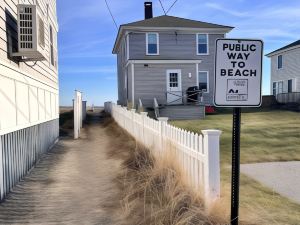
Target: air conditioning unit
[{"x": 31, "y": 33}]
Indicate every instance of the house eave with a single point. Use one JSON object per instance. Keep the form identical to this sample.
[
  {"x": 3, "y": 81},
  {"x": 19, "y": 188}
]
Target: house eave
[
  {"x": 278, "y": 52},
  {"x": 122, "y": 29}
]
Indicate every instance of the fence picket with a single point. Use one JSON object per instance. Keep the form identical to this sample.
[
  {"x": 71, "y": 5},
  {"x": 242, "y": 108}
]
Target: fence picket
[{"x": 197, "y": 155}]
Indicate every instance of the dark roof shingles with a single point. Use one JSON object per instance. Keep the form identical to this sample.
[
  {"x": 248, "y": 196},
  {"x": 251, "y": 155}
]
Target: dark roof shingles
[
  {"x": 172, "y": 21},
  {"x": 286, "y": 47}
]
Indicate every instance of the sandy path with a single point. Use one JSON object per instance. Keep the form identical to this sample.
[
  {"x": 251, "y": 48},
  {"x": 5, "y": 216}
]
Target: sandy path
[
  {"x": 73, "y": 184},
  {"x": 282, "y": 177}
]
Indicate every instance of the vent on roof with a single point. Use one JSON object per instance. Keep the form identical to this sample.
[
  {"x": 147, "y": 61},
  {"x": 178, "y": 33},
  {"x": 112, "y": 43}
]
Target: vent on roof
[{"x": 31, "y": 33}]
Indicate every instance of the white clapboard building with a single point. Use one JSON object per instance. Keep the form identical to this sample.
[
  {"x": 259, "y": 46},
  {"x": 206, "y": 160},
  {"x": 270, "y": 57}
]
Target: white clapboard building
[{"x": 29, "y": 103}]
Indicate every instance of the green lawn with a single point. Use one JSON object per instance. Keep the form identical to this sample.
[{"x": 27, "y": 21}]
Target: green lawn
[{"x": 265, "y": 136}]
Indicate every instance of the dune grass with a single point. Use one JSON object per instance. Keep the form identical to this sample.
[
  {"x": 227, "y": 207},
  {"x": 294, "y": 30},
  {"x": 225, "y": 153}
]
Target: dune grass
[
  {"x": 154, "y": 191},
  {"x": 265, "y": 137}
]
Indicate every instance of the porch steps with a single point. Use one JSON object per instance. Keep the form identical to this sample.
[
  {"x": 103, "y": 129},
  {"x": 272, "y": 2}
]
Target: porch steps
[{"x": 183, "y": 112}]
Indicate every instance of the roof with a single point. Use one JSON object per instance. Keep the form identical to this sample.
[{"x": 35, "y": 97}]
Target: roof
[
  {"x": 168, "y": 22},
  {"x": 172, "y": 21},
  {"x": 294, "y": 44}
]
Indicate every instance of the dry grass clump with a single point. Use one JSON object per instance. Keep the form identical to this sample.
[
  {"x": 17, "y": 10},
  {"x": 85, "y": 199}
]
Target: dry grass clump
[{"x": 153, "y": 191}]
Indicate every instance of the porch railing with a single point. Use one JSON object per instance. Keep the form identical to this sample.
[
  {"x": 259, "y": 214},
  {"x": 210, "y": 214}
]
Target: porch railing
[
  {"x": 293, "y": 97},
  {"x": 185, "y": 98}
]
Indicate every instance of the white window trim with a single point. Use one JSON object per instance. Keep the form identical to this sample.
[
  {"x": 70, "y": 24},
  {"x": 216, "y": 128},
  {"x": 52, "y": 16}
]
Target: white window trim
[
  {"x": 127, "y": 46},
  {"x": 276, "y": 87},
  {"x": 282, "y": 86},
  {"x": 278, "y": 62},
  {"x": 54, "y": 44},
  {"x": 157, "y": 42},
  {"x": 207, "y": 43},
  {"x": 207, "y": 75}
]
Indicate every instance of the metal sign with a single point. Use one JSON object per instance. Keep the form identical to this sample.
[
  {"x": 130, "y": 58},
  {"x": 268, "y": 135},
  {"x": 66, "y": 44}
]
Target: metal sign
[{"x": 238, "y": 73}]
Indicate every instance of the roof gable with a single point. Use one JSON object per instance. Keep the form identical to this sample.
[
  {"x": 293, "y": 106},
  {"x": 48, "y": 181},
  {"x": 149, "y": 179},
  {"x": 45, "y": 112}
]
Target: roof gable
[
  {"x": 168, "y": 22},
  {"x": 294, "y": 44}
]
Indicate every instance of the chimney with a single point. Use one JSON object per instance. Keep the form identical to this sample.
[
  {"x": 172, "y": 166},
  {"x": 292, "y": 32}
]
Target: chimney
[{"x": 148, "y": 10}]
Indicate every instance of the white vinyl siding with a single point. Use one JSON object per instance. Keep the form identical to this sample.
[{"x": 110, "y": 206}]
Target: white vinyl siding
[{"x": 23, "y": 86}]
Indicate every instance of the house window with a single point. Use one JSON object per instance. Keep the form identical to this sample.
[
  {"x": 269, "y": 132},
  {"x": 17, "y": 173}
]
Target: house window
[
  {"x": 203, "y": 81},
  {"x": 173, "y": 79},
  {"x": 290, "y": 86},
  {"x": 280, "y": 87},
  {"x": 279, "y": 62},
  {"x": 51, "y": 47},
  {"x": 202, "y": 44},
  {"x": 274, "y": 89},
  {"x": 152, "y": 43}
]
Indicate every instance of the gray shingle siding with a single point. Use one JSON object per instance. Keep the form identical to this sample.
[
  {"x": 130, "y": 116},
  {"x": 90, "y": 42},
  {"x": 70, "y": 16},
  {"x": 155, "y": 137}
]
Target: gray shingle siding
[
  {"x": 151, "y": 82},
  {"x": 289, "y": 70},
  {"x": 171, "y": 46}
]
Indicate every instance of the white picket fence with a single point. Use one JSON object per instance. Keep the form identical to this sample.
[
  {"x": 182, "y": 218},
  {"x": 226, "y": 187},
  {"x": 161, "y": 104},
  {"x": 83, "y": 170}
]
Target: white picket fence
[{"x": 198, "y": 154}]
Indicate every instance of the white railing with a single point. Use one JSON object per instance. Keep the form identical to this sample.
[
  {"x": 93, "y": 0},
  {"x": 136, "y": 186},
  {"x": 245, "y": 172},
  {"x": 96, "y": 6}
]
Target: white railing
[{"x": 197, "y": 154}]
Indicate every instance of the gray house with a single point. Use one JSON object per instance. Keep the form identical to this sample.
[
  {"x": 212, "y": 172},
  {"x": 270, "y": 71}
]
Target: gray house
[
  {"x": 162, "y": 57},
  {"x": 285, "y": 73}
]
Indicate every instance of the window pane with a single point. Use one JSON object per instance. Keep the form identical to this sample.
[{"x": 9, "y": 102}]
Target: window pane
[
  {"x": 152, "y": 48},
  {"x": 152, "y": 43},
  {"x": 203, "y": 81},
  {"x": 152, "y": 39},
  {"x": 173, "y": 79},
  {"x": 279, "y": 61},
  {"x": 202, "y": 38},
  {"x": 202, "y": 48},
  {"x": 202, "y": 44},
  {"x": 290, "y": 86}
]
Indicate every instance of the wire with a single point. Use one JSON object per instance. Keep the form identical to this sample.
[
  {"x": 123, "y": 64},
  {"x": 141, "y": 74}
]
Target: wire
[
  {"x": 162, "y": 7},
  {"x": 30, "y": 65},
  {"x": 171, "y": 6},
  {"x": 113, "y": 18}
]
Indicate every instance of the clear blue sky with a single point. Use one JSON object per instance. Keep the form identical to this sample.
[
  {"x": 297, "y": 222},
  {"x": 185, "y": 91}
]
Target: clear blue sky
[{"x": 87, "y": 35}]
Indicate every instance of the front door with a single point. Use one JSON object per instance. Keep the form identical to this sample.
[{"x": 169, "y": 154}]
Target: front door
[{"x": 174, "y": 91}]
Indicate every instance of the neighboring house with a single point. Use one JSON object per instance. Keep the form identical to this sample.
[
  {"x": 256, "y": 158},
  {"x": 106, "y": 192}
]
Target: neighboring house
[
  {"x": 285, "y": 73},
  {"x": 29, "y": 103},
  {"x": 162, "y": 57}
]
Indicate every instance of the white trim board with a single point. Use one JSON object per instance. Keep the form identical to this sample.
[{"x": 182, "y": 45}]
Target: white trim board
[
  {"x": 132, "y": 83},
  {"x": 20, "y": 127},
  {"x": 171, "y": 61}
]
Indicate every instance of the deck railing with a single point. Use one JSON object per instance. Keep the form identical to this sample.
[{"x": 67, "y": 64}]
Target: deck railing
[
  {"x": 185, "y": 98},
  {"x": 197, "y": 154},
  {"x": 293, "y": 97}
]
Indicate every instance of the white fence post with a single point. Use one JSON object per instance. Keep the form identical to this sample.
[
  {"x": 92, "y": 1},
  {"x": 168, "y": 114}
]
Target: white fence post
[
  {"x": 211, "y": 144},
  {"x": 77, "y": 113}
]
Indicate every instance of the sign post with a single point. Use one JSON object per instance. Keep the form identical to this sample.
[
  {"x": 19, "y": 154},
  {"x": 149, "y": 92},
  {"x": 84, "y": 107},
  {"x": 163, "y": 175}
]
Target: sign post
[{"x": 238, "y": 76}]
